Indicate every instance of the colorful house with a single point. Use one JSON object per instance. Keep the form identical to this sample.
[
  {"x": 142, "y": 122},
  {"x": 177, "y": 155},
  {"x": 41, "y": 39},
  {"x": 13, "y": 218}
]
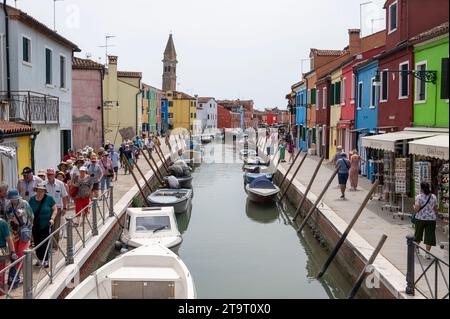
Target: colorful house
[
  {"x": 335, "y": 110},
  {"x": 159, "y": 97},
  {"x": 431, "y": 99},
  {"x": 366, "y": 118},
  {"x": 182, "y": 110},
  {"x": 301, "y": 95},
  {"x": 310, "y": 78},
  {"x": 404, "y": 20},
  {"x": 87, "y": 103},
  {"x": 122, "y": 111},
  {"x": 164, "y": 114},
  {"x": 223, "y": 117}
]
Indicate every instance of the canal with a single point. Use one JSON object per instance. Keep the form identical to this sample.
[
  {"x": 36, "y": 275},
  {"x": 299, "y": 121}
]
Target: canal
[{"x": 237, "y": 249}]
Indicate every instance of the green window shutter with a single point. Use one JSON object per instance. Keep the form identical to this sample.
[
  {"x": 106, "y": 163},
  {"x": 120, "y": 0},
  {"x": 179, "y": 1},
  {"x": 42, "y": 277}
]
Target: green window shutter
[
  {"x": 338, "y": 93},
  {"x": 332, "y": 94},
  {"x": 313, "y": 96},
  {"x": 444, "y": 79},
  {"x": 314, "y": 135}
]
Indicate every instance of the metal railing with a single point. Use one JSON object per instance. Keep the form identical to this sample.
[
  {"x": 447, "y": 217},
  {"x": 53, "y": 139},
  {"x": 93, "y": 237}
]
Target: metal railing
[
  {"x": 432, "y": 279},
  {"x": 60, "y": 253},
  {"x": 32, "y": 107}
]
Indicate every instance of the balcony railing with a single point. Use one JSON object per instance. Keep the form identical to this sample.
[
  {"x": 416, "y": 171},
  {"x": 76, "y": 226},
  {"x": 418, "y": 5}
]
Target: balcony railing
[{"x": 32, "y": 107}]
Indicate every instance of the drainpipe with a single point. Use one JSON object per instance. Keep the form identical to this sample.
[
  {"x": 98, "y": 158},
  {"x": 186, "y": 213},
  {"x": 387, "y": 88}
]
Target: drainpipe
[
  {"x": 33, "y": 144},
  {"x": 137, "y": 116},
  {"x": 8, "y": 71},
  {"x": 102, "y": 76}
]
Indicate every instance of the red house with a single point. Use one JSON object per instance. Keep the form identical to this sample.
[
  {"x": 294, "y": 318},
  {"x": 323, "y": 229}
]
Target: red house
[
  {"x": 404, "y": 19},
  {"x": 223, "y": 117}
]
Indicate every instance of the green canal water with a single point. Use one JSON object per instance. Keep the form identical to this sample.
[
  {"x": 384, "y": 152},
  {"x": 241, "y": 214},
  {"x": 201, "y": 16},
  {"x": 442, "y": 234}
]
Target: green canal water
[{"x": 237, "y": 249}]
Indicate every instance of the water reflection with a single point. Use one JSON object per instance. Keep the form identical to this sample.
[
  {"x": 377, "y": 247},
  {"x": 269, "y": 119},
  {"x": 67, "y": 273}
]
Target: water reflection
[
  {"x": 263, "y": 214},
  {"x": 184, "y": 219}
]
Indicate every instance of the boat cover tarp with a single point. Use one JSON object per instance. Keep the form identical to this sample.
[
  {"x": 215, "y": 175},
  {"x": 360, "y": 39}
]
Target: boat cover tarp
[
  {"x": 262, "y": 183},
  {"x": 252, "y": 176}
]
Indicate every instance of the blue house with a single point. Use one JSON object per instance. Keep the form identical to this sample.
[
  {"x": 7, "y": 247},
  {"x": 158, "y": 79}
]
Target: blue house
[
  {"x": 301, "y": 92},
  {"x": 164, "y": 115},
  {"x": 366, "y": 118}
]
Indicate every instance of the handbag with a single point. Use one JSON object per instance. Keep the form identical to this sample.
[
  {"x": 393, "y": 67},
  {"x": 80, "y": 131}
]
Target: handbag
[
  {"x": 413, "y": 216},
  {"x": 24, "y": 230}
]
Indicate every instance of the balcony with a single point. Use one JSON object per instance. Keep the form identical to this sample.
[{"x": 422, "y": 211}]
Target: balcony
[{"x": 30, "y": 107}]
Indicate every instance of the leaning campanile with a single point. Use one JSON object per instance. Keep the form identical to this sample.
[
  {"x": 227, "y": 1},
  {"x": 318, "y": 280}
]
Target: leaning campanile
[{"x": 170, "y": 67}]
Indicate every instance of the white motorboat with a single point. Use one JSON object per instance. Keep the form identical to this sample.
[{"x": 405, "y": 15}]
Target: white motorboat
[
  {"x": 179, "y": 199},
  {"x": 151, "y": 225},
  {"x": 262, "y": 190},
  {"x": 147, "y": 272}
]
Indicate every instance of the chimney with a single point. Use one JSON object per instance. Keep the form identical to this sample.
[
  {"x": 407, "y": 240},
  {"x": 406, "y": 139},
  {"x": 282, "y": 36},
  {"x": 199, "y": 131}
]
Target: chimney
[
  {"x": 111, "y": 87},
  {"x": 112, "y": 59},
  {"x": 354, "y": 41}
]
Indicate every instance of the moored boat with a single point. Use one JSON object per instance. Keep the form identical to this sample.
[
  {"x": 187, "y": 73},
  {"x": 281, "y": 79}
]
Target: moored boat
[
  {"x": 250, "y": 177},
  {"x": 148, "y": 272},
  {"x": 262, "y": 190},
  {"x": 185, "y": 182},
  {"x": 179, "y": 199}
]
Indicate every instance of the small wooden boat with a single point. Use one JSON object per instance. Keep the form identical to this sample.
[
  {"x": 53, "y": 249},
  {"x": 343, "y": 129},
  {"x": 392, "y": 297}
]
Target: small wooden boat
[
  {"x": 256, "y": 161},
  {"x": 185, "y": 182},
  {"x": 255, "y": 169},
  {"x": 206, "y": 139},
  {"x": 146, "y": 226},
  {"x": 262, "y": 190},
  {"x": 179, "y": 199},
  {"x": 250, "y": 177},
  {"x": 148, "y": 272}
]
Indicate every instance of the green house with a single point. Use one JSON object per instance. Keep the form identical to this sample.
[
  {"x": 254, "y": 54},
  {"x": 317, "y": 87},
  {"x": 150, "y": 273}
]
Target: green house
[{"x": 431, "y": 99}]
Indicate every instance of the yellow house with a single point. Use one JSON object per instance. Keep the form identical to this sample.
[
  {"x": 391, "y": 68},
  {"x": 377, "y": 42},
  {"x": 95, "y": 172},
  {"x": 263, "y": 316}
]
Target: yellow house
[
  {"x": 335, "y": 110},
  {"x": 16, "y": 150},
  {"x": 182, "y": 110},
  {"x": 122, "y": 110}
]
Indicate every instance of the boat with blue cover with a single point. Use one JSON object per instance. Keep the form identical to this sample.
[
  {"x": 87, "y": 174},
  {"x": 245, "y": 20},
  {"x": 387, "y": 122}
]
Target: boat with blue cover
[
  {"x": 250, "y": 177},
  {"x": 262, "y": 190}
]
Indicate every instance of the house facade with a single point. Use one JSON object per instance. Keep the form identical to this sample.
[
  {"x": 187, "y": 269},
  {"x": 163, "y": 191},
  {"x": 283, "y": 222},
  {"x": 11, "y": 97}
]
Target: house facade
[
  {"x": 87, "y": 103},
  {"x": 210, "y": 108},
  {"x": 301, "y": 93},
  {"x": 335, "y": 110},
  {"x": 182, "y": 110},
  {"x": 223, "y": 117},
  {"x": 122, "y": 110},
  {"x": 40, "y": 66}
]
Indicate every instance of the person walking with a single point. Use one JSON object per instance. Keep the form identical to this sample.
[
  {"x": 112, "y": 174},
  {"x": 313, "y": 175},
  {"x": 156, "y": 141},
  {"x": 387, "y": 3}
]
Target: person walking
[
  {"x": 291, "y": 150},
  {"x": 115, "y": 160},
  {"x": 337, "y": 155},
  {"x": 26, "y": 185},
  {"x": 57, "y": 190},
  {"x": 282, "y": 149},
  {"x": 108, "y": 172},
  {"x": 84, "y": 185},
  {"x": 355, "y": 160},
  {"x": 3, "y": 198},
  {"x": 96, "y": 173},
  {"x": 7, "y": 252},
  {"x": 344, "y": 167},
  {"x": 19, "y": 217},
  {"x": 426, "y": 210},
  {"x": 45, "y": 211}
]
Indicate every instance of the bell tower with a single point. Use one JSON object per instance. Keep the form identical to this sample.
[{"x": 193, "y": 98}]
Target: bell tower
[{"x": 170, "y": 67}]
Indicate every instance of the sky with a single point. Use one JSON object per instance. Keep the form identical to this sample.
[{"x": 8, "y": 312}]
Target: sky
[{"x": 246, "y": 49}]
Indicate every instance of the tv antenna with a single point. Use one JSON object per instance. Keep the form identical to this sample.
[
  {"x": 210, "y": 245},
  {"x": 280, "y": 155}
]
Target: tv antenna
[{"x": 107, "y": 45}]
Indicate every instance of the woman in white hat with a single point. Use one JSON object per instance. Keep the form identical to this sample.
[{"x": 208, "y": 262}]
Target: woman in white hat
[{"x": 45, "y": 211}]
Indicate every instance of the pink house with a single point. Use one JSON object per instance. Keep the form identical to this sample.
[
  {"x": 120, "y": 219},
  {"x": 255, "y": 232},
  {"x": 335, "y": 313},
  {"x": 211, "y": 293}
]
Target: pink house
[{"x": 87, "y": 103}]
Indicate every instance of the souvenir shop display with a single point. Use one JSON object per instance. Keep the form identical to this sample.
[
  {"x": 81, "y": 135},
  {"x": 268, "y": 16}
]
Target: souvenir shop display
[
  {"x": 443, "y": 189},
  {"x": 402, "y": 175},
  {"x": 422, "y": 173},
  {"x": 389, "y": 181}
]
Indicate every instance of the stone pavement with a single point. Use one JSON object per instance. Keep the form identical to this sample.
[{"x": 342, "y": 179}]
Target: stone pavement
[{"x": 373, "y": 222}]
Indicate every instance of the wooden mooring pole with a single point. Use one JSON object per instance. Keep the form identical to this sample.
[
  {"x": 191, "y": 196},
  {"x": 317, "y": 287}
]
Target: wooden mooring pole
[
  {"x": 365, "y": 270},
  {"x": 305, "y": 196},
  {"x": 293, "y": 177},
  {"x": 150, "y": 164},
  {"x": 290, "y": 167},
  {"x": 143, "y": 176},
  {"x": 347, "y": 231},
  {"x": 158, "y": 170},
  {"x": 322, "y": 194},
  {"x": 161, "y": 157},
  {"x": 135, "y": 180}
]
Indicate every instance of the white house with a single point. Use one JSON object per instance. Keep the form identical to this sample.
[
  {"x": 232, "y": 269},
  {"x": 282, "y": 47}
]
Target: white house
[
  {"x": 209, "y": 105},
  {"x": 40, "y": 89}
]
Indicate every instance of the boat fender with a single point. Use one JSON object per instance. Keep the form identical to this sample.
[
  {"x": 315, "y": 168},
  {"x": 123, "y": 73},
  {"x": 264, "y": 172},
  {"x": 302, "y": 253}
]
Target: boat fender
[{"x": 118, "y": 245}]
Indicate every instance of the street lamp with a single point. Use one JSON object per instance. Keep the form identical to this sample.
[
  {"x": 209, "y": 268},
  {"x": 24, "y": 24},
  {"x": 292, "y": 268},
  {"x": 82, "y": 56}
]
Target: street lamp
[{"x": 427, "y": 76}]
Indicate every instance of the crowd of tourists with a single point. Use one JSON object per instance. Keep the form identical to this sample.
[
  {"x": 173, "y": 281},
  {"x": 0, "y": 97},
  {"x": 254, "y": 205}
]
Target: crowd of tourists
[{"x": 34, "y": 208}]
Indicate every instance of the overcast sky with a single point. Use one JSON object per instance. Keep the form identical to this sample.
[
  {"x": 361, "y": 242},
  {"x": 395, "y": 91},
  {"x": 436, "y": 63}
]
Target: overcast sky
[{"x": 247, "y": 49}]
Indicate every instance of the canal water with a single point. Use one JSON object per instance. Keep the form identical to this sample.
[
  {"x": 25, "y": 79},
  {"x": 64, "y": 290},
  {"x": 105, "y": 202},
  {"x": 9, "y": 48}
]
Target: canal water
[{"x": 237, "y": 249}]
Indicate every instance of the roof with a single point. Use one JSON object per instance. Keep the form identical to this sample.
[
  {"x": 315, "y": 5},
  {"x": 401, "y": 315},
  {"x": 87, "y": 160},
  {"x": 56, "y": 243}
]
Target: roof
[
  {"x": 184, "y": 96},
  {"x": 170, "y": 53},
  {"x": 319, "y": 52},
  {"x": 16, "y": 14},
  {"x": 431, "y": 33},
  {"x": 129, "y": 74},
  {"x": 86, "y": 64},
  {"x": 7, "y": 127},
  {"x": 205, "y": 99}
]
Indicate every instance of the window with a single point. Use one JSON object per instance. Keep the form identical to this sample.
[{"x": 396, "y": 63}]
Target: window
[
  {"x": 170, "y": 103},
  {"x": 353, "y": 88},
  {"x": 384, "y": 86},
  {"x": 151, "y": 223},
  {"x": 444, "y": 79},
  {"x": 344, "y": 90},
  {"x": 324, "y": 98},
  {"x": 317, "y": 99},
  {"x": 48, "y": 66},
  {"x": 337, "y": 93},
  {"x": 373, "y": 93},
  {"x": 313, "y": 96},
  {"x": 332, "y": 94},
  {"x": 421, "y": 86},
  {"x": 26, "y": 52},
  {"x": 62, "y": 72},
  {"x": 404, "y": 80},
  {"x": 168, "y": 69},
  {"x": 393, "y": 17},
  {"x": 170, "y": 115},
  {"x": 360, "y": 93}
]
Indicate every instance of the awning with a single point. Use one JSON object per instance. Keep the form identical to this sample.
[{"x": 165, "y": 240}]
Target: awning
[
  {"x": 357, "y": 130},
  {"x": 344, "y": 124},
  {"x": 387, "y": 141},
  {"x": 435, "y": 146}
]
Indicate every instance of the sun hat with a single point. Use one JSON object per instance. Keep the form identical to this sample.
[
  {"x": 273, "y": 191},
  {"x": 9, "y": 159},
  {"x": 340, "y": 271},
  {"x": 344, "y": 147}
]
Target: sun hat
[
  {"x": 41, "y": 172},
  {"x": 60, "y": 173},
  {"x": 40, "y": 186},
  {"x": 14, "y": 194},
  {"x": 83, "y": 169}
]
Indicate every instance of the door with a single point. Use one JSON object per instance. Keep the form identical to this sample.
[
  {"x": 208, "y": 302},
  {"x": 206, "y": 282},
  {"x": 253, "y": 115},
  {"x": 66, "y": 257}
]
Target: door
[{"x": 66, "y": 142}]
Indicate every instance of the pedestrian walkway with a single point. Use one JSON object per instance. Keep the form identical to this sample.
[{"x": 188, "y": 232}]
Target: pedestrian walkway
[
  {"x": 374, "y": 221},
  {"x": 121, "y": 187}
]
